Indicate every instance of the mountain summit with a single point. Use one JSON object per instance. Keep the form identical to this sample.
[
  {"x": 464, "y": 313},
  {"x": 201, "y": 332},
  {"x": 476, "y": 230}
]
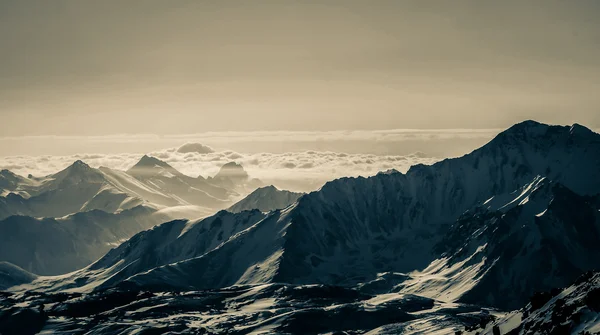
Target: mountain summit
[
  {"x": 232, "y": 170},
  {"x": 266, "y": 199},
  {"x": 233, "y": 176},
  {"x": 148, "y": 166}
]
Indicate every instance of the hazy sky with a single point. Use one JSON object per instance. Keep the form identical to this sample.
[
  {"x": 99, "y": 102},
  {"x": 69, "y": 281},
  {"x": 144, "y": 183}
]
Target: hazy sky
[{"x": 167, "y": 67}]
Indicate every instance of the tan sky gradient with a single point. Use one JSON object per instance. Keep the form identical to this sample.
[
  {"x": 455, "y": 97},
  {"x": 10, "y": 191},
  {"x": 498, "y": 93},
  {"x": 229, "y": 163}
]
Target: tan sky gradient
[{"x": 167, "y": 67}]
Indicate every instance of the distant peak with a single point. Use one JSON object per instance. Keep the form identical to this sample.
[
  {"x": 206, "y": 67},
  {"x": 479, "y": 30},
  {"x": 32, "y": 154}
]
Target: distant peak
[
  {"x": 195, "y": 147},
  {"x": 269, "y": 188},
  {"x": 388, "y": 172},
  {"x": 232, "y": 170},
  {"x": 149, "y": 161},
  {"x": 150, "y": 166},
  {"x": 78, "y": 170},
  {"x": 79, "y": 162},
  {"x": 79, "y": 165}
]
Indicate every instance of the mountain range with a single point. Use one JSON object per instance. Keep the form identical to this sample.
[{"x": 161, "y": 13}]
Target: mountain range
[
  {"x": 80, "y": 188},
  {"x": 444, "y": 248},
  {"x": 63, "y": 222}
]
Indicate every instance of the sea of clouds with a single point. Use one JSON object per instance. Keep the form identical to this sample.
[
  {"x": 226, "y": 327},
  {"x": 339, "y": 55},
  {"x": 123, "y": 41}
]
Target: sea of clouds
[
  {"x": 303, "y": 171},
  {"x": 298, "y": 160}
]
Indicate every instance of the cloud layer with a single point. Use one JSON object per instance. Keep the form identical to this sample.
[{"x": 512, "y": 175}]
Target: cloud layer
[{"x": 303, "y": 171}]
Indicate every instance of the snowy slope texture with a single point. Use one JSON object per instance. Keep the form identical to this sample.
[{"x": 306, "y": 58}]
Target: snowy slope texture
[
  {"x": 11, "y": 275},
  {"x": 572, "y": 310},
  {"x": 56, "y": 246},
  {"x": 10, "y": 182},
  {"x": 266, "y": 199},
  {"x": 259, "y": 309},
  {"x": 166, "y": 243},
  {"x": 542, "y": 236}
]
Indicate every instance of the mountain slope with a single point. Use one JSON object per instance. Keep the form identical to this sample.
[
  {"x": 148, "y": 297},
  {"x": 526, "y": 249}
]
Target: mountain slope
[
  {"x": 266, "y": 199},
  {"x": 543, "y": 232},
  {"x": 10, "y": 182},
  {"x": 56, "y": 246},
  {"x": 574, "y": 309},
  {"x": 166, "y": 243},
  {"x": 11, "y": 275}
]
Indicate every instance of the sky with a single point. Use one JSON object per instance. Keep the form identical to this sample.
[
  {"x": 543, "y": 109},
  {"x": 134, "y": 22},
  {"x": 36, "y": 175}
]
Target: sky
[{"x": 105, "y": 68}]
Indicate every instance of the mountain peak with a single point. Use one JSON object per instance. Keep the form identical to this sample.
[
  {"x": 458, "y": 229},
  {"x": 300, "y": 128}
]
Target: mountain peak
[
  {"x": 577, "y": 129},
  {"x": 150, "y": 162},
  {"x": 232, "y": 170},
  {"x": 79, "y": 171},
  {"x": 6, "y": 172},
  {"x": 80, "y": 163},
  {"x": 78, "y": 166},
  {"x": 527, "y": 127},
  {"x": 542, "y": 135},
  {"x": 534, "y": 129},
  {"x": 149, "y": 166},
  {"x": 267, "y": 188},
  {"x": 266, "y": 199}
]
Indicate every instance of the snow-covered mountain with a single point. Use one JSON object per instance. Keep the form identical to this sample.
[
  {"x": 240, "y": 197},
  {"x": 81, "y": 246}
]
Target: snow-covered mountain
[
  {"x": 490, "y": 228},
  {"x": 81, "y": 188},
  {"x": 87, "y": 211},
  {"x": 164, "y": 244},
  {"x": 266, "y": 199},
  {"x": 354, "y": 228},
  {"x": 538, "y": 237},
  {"x": 10, "y": 182},
  {"x": 159, "y": 175},
  {"x": 74, "y": 189}
]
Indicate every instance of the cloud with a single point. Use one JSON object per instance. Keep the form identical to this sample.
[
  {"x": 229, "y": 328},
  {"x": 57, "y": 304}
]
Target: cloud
[
  {"x": 296, "y": 170},
  {"x": 195, "y": 147}
]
